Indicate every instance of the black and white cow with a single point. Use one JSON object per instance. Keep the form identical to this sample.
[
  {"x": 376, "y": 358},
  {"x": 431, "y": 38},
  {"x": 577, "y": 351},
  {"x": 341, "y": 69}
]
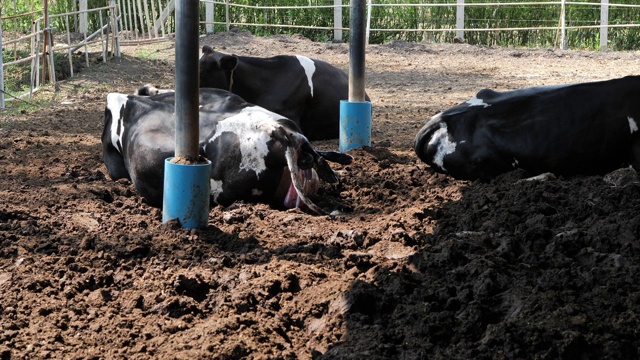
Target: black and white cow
[
  {"x": 256, "y": 155},
  {"x": 307, "y": 91},
  {"x": 586, "y": 128}
]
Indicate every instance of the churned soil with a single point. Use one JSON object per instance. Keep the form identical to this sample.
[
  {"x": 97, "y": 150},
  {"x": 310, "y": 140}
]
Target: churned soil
[{"x": 411, "y": 265}]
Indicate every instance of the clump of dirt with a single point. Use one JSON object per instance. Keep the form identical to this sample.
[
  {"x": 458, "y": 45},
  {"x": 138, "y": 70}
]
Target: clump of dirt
[{"x": 411, "y": 264}]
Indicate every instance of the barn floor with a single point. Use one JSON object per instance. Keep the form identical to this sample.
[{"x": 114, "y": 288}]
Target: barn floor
[{"x": 416, "y": 265}]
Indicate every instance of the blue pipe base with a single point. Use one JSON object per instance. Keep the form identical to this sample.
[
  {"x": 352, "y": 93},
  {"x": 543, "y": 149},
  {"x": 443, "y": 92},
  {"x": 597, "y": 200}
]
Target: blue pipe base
[
  {"x": 355, "y": 124},
  {"x": 186, "y": 194}
]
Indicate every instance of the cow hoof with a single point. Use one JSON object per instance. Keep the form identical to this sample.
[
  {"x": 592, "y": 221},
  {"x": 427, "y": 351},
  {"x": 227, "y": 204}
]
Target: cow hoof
[{"x": 542, "y": 177}]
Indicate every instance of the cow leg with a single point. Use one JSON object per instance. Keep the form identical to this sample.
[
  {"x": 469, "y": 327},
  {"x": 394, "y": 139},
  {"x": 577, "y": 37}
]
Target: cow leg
[
  {"x": 634, "y": 158},
  {"x": 336, "y": 157}
]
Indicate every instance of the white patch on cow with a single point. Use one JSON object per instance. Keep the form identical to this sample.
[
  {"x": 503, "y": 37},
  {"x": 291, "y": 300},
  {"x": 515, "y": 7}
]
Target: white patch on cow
[
  {"x": 253, "y": 126},
  {"x": 445, "y": 146},
  {"x": 474, "y": 101},
  {"x": 633, "y": 126},
  {"x": 115, "y": 103},
  {"x": 309, "y": 69},
  {"x": 514, "y": 163},
  {"x": 216, "y": 189}
]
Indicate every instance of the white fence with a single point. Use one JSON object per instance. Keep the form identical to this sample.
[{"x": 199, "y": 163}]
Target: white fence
[
  {"x": 131, "y": 22},
  {"x": 602, "y": 23}
]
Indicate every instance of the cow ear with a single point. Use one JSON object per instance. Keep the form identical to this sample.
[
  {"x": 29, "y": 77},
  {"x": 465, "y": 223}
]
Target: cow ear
[
  {"x": 207, "y": 49},
  {"x": 228, "y": 62}
]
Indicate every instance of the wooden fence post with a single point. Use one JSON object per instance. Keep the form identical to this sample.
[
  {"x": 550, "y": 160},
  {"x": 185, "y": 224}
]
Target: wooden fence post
[
  {"x": 460, "y": 20},
  {"x": 604, "y": 24},
  {"x": 563, "y": 25},
  {"x": 226, "y": 10},
  {"x": 368, "y": 25},
  {"x": 337, "y": 20},
  {"x": 84, "y": 27}
]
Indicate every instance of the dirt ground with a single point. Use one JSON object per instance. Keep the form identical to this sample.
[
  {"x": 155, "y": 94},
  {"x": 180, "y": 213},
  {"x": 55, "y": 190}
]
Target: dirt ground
[{"x": 415, "y": 265}]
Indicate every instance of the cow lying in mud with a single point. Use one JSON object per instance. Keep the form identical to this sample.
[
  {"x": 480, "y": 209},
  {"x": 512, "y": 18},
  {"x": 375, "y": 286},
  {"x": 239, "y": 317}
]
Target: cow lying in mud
[
  {"x": 307, "y": 91},
  {"x": 256, "y": 155},
  {"x": 586, "y": 128}
]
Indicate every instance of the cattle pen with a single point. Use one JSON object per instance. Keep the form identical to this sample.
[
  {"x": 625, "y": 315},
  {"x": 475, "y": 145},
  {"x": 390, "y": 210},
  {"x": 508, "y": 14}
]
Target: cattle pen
[{"x": 412, "y": 264}]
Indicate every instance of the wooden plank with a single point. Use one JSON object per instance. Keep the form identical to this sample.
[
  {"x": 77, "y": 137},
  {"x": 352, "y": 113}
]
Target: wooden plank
[{"x": 171, "y": 6}]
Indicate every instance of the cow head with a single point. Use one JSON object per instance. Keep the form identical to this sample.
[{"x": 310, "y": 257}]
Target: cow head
[
  {"x": 112, "y": 136},
  {"x": 216, "y": 69}
]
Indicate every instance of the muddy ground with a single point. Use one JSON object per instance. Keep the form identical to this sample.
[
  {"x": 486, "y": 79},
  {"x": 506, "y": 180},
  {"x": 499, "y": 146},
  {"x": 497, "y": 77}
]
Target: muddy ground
[{"x": 416, "y": 265}]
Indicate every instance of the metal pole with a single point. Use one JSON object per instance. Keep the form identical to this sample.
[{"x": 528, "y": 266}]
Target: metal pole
[
  {"x": 187, "y": 79},
  {"x": 355, "y": 113},
  {"x": 356, "y": 51},
  {"x": 186, "y": 190}
]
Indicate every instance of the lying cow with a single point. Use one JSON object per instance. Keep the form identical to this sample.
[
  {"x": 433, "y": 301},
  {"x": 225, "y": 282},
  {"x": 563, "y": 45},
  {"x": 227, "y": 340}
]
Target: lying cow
[
  {"x": 307, "y": 91},
  {"x": 256, "y": 155},
  {"x": 587, "y": 128}
]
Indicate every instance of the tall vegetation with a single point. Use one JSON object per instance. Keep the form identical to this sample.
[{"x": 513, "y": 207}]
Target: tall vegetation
[
  {"x": 414, "y": 20},
  {"x": 419, "y": 18}
]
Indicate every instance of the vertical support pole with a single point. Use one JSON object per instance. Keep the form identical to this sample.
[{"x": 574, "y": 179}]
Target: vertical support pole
[
  {"x": 45, "y": 42},
  {"x": 33, "y": 52},
  {"x": 83, "y": 17},
  {"x": 52, "y": 65},
  {"x": 460, "y": 20},
  {"x": 133, "y": 28},
  {"x": 367, "y": 31},
  {"x": 69, "y": 55},
  {"x": 186, "y": 185},
  {"x": 226, "y": 11},
  {"x": 161, "y": 19},
  {"x": 563, "y": 25},
  {"x": 37, "y": 59},
  {"x": 116, "y": 29},
  {"x": 355, "y": 114},
  {"x": 153, "y": 18},
  {"x": 187, "y": 79},
  {"x": 604, "y": 24},
  {"x": 102, "y": 40},
  {"x": 337, "y": 20},
  {"x": 137, "y": 15},
  {"x": 147, "y": 19},
  {"x": 357, "y": 51},
  {"x": 209, "y": 13}
]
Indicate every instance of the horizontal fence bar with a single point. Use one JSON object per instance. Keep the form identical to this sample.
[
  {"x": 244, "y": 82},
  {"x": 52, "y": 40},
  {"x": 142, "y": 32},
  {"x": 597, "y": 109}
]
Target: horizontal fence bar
[
  {"x": 20, "y": 61},
  {"x": 20, "y": 15},
  {"x": 53, "y": 16},
  {"x": 22, "y": 38},
  {"x": 262, "y": 7}
]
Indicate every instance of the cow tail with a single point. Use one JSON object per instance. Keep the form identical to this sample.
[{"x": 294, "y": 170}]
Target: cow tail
[{"x": 291, "y": 154}]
